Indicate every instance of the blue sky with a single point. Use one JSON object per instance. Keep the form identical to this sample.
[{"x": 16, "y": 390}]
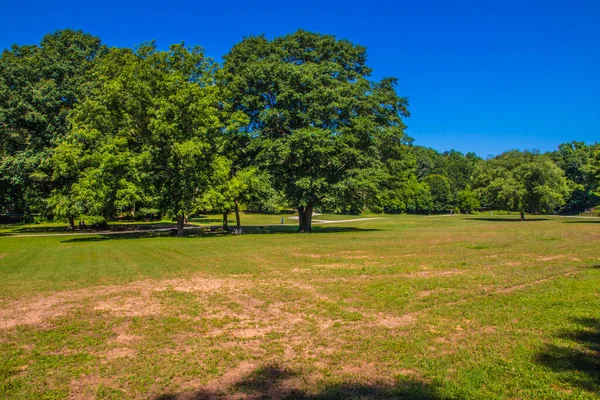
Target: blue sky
[{"x": 482, "y": 76}]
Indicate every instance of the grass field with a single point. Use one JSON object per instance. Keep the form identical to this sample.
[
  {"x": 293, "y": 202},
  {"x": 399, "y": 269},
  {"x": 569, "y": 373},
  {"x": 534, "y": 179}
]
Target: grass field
[{"x": 475, "y": 307}]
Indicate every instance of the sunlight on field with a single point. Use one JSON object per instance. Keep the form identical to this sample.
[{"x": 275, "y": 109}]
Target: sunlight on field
[{"x": 402, "y": 306}]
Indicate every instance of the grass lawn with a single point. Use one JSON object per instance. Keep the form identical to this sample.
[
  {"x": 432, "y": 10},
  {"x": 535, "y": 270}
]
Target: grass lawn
[{"x": 425, "y": 307}]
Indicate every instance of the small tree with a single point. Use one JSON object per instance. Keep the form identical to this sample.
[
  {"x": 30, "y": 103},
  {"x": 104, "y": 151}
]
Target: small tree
[
  {"x": 467, "y": 200},
  {"x": 229, "y": 193},
  {"x": 522, "y": 182}
]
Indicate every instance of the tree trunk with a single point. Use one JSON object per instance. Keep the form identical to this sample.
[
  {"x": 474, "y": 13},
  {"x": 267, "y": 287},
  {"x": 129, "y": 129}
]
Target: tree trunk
[
  {"x": 180, "y": 224},
  {"x": 308, "y": 210},
  {"x": 238, "y": 223},
  {"x": 522, "y": 216},
  {"x": 225, "y": 222},
  {"x": 301, "y": 219},
  {"x": 71, "y": 223}
]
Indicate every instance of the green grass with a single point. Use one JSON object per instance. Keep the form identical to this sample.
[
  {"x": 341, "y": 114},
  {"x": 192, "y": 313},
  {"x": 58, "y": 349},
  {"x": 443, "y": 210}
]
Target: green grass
[{"x": 428, "y": 307}]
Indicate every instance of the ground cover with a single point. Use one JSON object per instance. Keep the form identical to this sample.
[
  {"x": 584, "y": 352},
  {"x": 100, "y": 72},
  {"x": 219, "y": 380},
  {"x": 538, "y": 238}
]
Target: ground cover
[{"x": 435, "y": 307}]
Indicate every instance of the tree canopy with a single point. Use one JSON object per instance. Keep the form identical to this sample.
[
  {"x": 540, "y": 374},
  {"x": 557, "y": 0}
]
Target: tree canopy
[
  {"x": 39, "y": 86},
  {"x": 147, "y": 133},
  {"x": 315, "y": 117},
  {"x": 294, "y": 121}
]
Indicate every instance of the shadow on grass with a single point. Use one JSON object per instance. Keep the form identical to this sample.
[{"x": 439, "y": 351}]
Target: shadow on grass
[
  {"x": 579, "y": 360},
  {"x": 315, "y": 229},
  {"x": 579, "y": 221},
  {"x": 40, "y": 229},
  {"x": 275, "y": 382},
  {"x": 115, "y": 227},
  {"x": 206, "y": 232},
  {"x": 517, "y": 219}
]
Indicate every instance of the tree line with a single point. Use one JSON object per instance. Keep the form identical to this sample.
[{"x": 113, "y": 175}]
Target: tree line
[{"x": 291, "y": 122}]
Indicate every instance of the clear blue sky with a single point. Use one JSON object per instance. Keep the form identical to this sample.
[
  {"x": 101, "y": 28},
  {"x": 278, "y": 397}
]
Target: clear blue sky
[{"x": 482, "y": 76}]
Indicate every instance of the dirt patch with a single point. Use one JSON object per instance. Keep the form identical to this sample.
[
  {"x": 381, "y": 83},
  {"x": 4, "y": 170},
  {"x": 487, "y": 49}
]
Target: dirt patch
[
  {"x": 132, "y": 299},
  {"x": 550, "y": 258},
  {"x": 426, "y": 293},
  {"x": 122, "y": 335},
  {"x": 34, "y": 311},
  {"x": 230, "y": 378},
  {"x": 392, "y": 322},
  {"x": 442, "y": 241},
  {"x": 237, "y": 318},
  {"x": 449, "y": 344},
  {"x": 2, "y": 255},
  {"x": 250, "y": 332},
  {"x": 301, "y": 270},
  {"x": 511, "y": 289},
  {"x": 22, "y": 370},
  {"x": 135, "y": 306},
  {"x": 513, "y": 264},
  {"x": 119, "y": 352},
  {"x": 408, "y": 372},
  {"x": 85, "y": 387},
  {"x": 193, "y": 285},
  {"x": 366, "y": 372},
  {"x": 307, "y": 255},
  {"x": 337, "y": 266},
  {"x": 433, "y": 274}
]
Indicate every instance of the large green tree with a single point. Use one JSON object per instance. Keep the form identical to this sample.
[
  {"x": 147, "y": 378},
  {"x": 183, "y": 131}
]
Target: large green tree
[
  {"x": 315, "y": 117},
  {"x": 467, "y": 200},
  {"x": 522, "y": 182},
  {"x": 147, "y": 134},
  {"x": 39, "y": 85}
]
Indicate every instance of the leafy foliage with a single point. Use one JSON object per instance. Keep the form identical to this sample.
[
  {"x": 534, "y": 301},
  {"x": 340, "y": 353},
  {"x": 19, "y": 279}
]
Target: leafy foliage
[
  {"x": 146, "y": 134},
  {"x": 39, "y": 86},
  {"x": 523, "y": 182},
  {"x": 296, "y": 121},
  {"x": 315, "y": 117}
]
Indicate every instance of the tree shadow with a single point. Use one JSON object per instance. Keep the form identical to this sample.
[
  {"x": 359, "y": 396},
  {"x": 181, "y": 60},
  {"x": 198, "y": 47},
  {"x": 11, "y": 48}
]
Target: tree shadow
[
  {"x": 294, "y": 229},
  {"x": 579, "y": 360},
  {"x": 492, "y": 219},
  {"x": 103, "y": 236},
  {"x": 583, "y": 222},
  {"x": 276, "y": 382},
  {"x": 114, "y": 227},
  {"x": 201, "y": 232}
]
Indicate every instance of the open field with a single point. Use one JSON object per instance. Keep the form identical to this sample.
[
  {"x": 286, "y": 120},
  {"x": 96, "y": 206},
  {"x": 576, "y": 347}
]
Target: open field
[{"x": 476, "y": 307}]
